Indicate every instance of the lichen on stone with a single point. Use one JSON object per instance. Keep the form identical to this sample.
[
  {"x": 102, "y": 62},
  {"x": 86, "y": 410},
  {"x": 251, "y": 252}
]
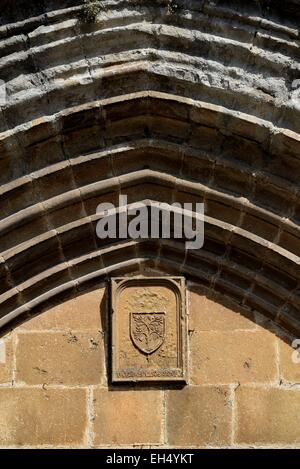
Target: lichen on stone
[
  {"x": 90, "y": 10},
  {"x": 173, "y": 7}
]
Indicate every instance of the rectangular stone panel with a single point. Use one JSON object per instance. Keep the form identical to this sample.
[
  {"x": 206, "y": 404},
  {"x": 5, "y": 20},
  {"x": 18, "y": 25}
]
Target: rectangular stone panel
[{"x": 149, "y": 330}]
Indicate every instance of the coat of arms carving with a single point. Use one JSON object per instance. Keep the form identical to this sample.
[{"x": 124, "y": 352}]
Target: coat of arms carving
[{"x": 147, "y": 331}]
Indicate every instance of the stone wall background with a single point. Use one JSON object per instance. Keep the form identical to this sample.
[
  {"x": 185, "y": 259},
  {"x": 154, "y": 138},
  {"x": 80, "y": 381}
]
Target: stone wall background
[
  {"x": 201, "y": 105},
  {"x": 243, "y": 387}
]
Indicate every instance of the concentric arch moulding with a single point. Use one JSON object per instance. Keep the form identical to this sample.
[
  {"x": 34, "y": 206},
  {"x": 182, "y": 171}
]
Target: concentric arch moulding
[{"x": 149, "y": 329}]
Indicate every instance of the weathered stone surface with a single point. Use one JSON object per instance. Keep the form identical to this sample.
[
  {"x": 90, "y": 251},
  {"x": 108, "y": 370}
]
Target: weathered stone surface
[
  {"x": 42, "y": 417},
  {"x": 206, "y": 314},
  {"x": 6, "y": 360},
  {"x": 267, "y": 416},
  {"x": 191, "y": 105},
  {"x": 289, "y": 360},
  {"x": 231, "y": 357},
  {"x": 80, "y": 356},
  {"x": 82, "y": 313},
  {"x": 127, "y": 417},
  {"x": 199, "y": 416},
  {"x": 111, "y": 116},
  {"x": 149, "y": 332}
]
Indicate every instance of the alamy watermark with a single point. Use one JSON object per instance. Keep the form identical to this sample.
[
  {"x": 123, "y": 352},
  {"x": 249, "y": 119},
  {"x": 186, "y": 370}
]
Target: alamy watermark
[
  {"x": 2, "y": 93},
  {"x": 295, "y": 96},
  {"x": 154, "y": 220},
  {"x": 296, "y": 353}
]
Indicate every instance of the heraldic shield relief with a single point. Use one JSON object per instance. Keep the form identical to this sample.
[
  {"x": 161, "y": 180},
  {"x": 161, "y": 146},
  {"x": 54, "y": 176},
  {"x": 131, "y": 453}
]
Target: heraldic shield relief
[{"x": 147, "y": 331}]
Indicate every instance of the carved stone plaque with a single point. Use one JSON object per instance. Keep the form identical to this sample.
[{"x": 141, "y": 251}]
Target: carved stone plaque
[{"x": 149, "y": 330}]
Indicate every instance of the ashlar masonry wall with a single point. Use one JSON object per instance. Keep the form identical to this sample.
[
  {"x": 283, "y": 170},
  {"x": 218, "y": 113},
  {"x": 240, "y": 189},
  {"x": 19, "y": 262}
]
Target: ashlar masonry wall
[{"x": 244, "y": 389}]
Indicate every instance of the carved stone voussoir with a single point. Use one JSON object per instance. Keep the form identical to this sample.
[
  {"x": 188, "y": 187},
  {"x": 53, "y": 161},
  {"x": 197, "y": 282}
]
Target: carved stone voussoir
[{"x": 149, "y": 329}]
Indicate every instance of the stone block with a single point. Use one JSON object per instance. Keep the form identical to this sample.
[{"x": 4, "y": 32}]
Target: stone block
[
  {"x": 6, "y": 360},
  {"x": 77, "y": 314},
  {"x": 207, "y": 314},
  {"x": 199, "y": 416},
  {"x": 267, "y": 416},
  {"x": 33, "y": 417},
  {"x": 59, "y": 358},
  {"x": 124, "y": 417},
  {"x": 225, "y": 357}
]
